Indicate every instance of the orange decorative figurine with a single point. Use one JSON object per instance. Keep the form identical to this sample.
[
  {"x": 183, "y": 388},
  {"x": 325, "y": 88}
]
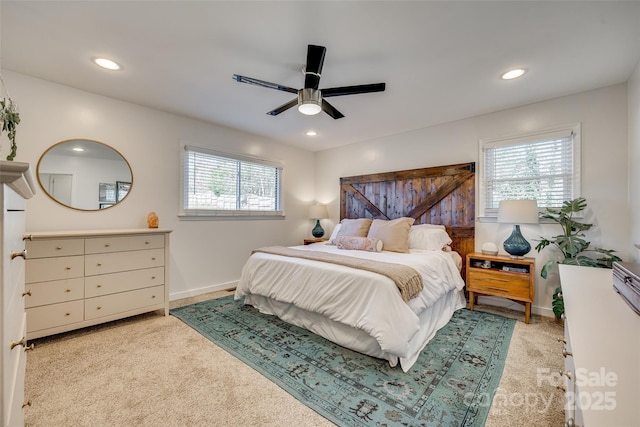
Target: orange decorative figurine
[{"x": 152, "y": 220}]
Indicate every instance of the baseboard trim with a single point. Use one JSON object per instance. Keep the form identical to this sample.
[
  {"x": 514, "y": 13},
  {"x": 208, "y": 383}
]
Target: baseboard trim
[
  {"x": 512, "y": 305},
  {"x": 199, "y": 291}
]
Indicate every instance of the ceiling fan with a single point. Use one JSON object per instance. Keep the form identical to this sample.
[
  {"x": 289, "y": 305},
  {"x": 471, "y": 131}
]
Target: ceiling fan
[{"x": 310, "y": 99}]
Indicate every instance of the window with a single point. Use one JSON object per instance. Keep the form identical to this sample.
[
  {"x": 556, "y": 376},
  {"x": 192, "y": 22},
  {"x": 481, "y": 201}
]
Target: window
[
  {"x": 221, "y": 184},
  {"x": 544, "y": 166}
]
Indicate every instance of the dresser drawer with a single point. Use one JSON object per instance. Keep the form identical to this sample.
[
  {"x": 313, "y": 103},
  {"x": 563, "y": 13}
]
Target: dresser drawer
[
  {"x": 105, "y": 284},
  {"x": 54, "y": 315},
  {"x": 99, "y": 245},
  {"x": 47, "y": 269},
  {"x": 43, "y": 293},
  {"x": 54, "y": 248},
  {"x": 513, "y": 284},
  {"x": 122, "y": 261},
  {"x": 125, "y": 301}
]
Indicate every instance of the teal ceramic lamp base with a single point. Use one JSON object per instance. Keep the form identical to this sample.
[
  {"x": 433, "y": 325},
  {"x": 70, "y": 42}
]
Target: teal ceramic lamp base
[
  {"x": 317, "y": 230},
  {"x": 516, "y": 245}
]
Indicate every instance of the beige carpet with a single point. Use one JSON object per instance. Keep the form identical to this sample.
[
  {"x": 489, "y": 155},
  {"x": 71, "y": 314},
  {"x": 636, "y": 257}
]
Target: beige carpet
[{"x": 152, "y": 370}]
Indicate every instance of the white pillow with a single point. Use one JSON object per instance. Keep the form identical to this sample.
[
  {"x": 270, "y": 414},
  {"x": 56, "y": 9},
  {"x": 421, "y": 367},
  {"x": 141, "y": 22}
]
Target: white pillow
[
  {"x": 433, "y": 238},
  {"x": 334, "y": 234}
]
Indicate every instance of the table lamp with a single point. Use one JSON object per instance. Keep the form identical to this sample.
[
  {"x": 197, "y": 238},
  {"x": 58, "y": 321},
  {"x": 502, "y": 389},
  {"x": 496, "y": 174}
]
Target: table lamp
[
  {"x": 517, "y": 212},
  {"x": 318, "y": 212}
]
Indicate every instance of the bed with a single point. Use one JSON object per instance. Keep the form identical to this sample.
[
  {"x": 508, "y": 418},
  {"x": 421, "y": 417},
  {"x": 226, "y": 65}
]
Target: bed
[{"x": 364, "y": 299}]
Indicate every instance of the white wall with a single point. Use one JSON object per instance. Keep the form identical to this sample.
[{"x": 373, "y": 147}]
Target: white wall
[
  {"x": 634, "y": 160},
  {"x": 205, "y": 255},
  {"x": 603, "y": 114}
]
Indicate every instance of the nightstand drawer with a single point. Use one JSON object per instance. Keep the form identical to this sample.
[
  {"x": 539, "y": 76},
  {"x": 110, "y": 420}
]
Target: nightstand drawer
[{"x": 512, "y": 284}]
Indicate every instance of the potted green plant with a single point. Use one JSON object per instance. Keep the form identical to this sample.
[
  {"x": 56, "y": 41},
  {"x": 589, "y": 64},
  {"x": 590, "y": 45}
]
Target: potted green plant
[
  {"x": 575, "y": 249},
  {"x": 10, "y": 119}
]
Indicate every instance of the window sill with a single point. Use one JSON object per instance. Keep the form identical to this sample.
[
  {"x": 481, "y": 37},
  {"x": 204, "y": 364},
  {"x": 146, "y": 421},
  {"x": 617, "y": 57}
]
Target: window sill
[{"x": 221, "y": 217}]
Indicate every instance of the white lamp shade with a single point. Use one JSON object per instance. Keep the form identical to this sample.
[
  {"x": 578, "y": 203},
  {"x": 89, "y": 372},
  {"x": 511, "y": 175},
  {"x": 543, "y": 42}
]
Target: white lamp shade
[
  {"x": 518, "y": 212},
  {"x": 318, "y": 212}
]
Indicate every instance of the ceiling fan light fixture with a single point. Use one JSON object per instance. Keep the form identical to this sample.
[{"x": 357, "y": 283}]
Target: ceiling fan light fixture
[{"x": 309, "y": 101}]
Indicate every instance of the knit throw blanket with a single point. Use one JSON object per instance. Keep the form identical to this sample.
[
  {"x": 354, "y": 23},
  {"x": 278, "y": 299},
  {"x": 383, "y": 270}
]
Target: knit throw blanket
[{"x": 407, "y": 279}]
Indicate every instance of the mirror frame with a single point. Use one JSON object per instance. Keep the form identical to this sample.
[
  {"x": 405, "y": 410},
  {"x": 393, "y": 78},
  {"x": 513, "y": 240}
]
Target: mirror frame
[{"x": 86, "y": 140}]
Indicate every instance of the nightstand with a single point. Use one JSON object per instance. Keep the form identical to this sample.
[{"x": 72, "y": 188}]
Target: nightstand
[
  {"x": 501, "y": 276},
  {"x": 314, "y": 240}
]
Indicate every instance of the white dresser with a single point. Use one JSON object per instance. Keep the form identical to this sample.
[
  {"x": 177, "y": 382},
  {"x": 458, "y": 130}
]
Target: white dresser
[
  {"x": 602, "y": 353},
  {"x": 16, "y": 185},
  {"x": 76, "y": 279}
]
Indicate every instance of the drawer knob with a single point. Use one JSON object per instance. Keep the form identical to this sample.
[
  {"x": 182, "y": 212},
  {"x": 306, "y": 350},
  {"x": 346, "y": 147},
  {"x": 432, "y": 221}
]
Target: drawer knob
[
  {"x": 22, "y": 342},
  {"x": 22, "y": 254},
  {"x": 27, "y": 403},
  {"x": 146, "y": 242},
  {"x": 67, "y": 290},
  {"x": 67, "y": 268},
  {"x": 153, "y": 296},
  {"x": 67, "y": 314},
  {"x": 98, "y": 308},
  {"x": 153, "y": 277},
  {"x": 27, "y": 293},
  {"x": 58, "y": 248},
  {"x": 153, "y": 258},
  {"x": 106, "y": 245},
  {"x": 98, "y": 286},
  {"x": 99, "y": 264}
]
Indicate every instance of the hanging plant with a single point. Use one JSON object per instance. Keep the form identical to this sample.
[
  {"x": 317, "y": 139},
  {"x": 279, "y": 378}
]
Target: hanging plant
[{"x": 10, "y": 118}]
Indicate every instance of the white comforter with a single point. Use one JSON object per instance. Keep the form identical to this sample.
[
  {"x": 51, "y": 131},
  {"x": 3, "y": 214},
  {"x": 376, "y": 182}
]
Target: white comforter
[{"x": 361, "y": 299}]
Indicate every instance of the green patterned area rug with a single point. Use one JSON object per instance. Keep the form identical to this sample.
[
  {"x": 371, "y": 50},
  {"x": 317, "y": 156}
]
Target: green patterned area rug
[{"x": 451, "y": 384}]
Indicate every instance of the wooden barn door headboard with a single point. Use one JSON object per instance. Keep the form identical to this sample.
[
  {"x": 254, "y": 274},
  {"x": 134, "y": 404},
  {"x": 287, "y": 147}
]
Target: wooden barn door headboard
[{"x": 438, "y": 195}]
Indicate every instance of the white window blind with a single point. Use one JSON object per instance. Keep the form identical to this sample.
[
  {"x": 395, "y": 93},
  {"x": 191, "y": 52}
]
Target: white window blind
[
  {"x": 220, "y": 184},
  {"x": 539, "y": 166}
]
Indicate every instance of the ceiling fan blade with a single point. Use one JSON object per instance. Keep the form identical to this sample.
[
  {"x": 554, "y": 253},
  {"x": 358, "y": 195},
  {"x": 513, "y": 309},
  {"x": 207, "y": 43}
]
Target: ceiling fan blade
[
  {"x": 330, "y": 110},
  {"x": 252, "y": 81},
  {"x": 352, "y": 90},
  {"x": 313, "y": 69},
  {"x": 283, "y": 107}
]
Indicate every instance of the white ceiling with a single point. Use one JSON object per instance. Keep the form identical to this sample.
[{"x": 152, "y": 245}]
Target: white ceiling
[{"x": 441, "y": 61}]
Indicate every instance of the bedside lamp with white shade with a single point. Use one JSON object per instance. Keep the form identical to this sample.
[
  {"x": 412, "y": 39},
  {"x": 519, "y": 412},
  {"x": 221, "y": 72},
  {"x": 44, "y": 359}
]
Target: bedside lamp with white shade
[
  {"x": 517, "y": 212},
  {"x": 318, "y": 212}
]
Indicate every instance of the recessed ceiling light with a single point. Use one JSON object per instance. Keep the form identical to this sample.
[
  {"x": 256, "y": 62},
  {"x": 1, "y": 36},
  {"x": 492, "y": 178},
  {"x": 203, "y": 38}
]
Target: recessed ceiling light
[
  {"x": 107, "y": 64},
  {"x": 311, "y": 133},
  {"x": 513, "y": 74}
]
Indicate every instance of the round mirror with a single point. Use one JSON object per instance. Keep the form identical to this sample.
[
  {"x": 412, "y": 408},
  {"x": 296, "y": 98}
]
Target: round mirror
[{"x": 85, "y": 175}]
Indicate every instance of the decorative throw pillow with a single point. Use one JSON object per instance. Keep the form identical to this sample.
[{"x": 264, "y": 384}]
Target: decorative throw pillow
[
  {"x": 433, "y": 239},
  {"x": 353, "y": 227},
  {"x": 359, "y": 243},
  {"x": 394, "y": 233},
  {"x": 334, "y": 234}
]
